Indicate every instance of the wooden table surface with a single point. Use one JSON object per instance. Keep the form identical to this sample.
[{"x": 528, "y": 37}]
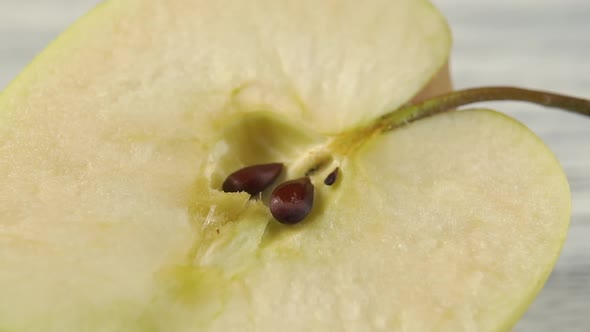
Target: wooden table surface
[{"x": 532, "y": 43}]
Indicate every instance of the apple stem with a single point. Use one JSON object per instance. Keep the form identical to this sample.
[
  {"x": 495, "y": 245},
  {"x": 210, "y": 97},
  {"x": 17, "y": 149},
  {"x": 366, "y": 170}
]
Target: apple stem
[{"x": 448, "y": 102}]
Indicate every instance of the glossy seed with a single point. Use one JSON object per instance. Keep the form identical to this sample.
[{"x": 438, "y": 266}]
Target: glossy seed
[
  {"x": 331, "y": 178},
  {"x": 252, "y": 179},
  {"x": 292, "y": 201}
]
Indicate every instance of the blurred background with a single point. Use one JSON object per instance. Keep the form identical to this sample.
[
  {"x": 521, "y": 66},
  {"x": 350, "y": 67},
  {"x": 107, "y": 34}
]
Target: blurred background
[{"x": 542, "y": 44}]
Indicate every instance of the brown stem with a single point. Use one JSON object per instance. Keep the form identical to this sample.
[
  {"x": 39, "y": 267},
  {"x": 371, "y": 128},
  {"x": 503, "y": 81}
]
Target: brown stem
[{"x": 456, "y": 99}]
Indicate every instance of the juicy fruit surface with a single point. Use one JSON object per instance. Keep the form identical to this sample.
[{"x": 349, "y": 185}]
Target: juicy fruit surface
[
  {"x": 425, "y": 231},
  {"x": 480, "y": 232},
  {"x": 315, "y": 61},
  {"x": 115, "y": 141}
]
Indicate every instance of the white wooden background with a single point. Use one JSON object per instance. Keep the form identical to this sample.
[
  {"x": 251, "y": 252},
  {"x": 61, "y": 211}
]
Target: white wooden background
[{"x": 533, "y": 43}]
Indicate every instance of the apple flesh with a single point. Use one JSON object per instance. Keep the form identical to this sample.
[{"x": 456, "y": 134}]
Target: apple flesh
[{"x": 115, "y": 143}]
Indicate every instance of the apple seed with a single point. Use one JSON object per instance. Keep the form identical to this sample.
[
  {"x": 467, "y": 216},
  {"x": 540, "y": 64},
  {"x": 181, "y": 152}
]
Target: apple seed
[
  {"x": 252, "y": 179},
  {"x": 292, "y": 201},
  {"x": 331, "y": 178}
]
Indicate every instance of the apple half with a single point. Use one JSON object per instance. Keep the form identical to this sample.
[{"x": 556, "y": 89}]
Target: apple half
[{"x": 115, "y": 142}]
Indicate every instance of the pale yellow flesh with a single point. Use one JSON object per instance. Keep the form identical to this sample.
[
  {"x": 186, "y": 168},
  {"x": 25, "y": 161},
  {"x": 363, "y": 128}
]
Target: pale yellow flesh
[
  {"x": 114, "y": 142},
  {"x": 315, "y": 61},
  {"x": 428, "y": 230}
]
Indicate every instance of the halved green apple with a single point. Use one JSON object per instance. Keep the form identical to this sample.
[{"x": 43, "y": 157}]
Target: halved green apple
[{"x": 116, "y": 140}]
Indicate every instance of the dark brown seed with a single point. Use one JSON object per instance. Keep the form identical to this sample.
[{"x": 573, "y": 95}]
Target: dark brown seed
[
  {"x": 292, "y": 201},
  {"x": 331, "y": 178},
  {"x": 252, "y": 179}
]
